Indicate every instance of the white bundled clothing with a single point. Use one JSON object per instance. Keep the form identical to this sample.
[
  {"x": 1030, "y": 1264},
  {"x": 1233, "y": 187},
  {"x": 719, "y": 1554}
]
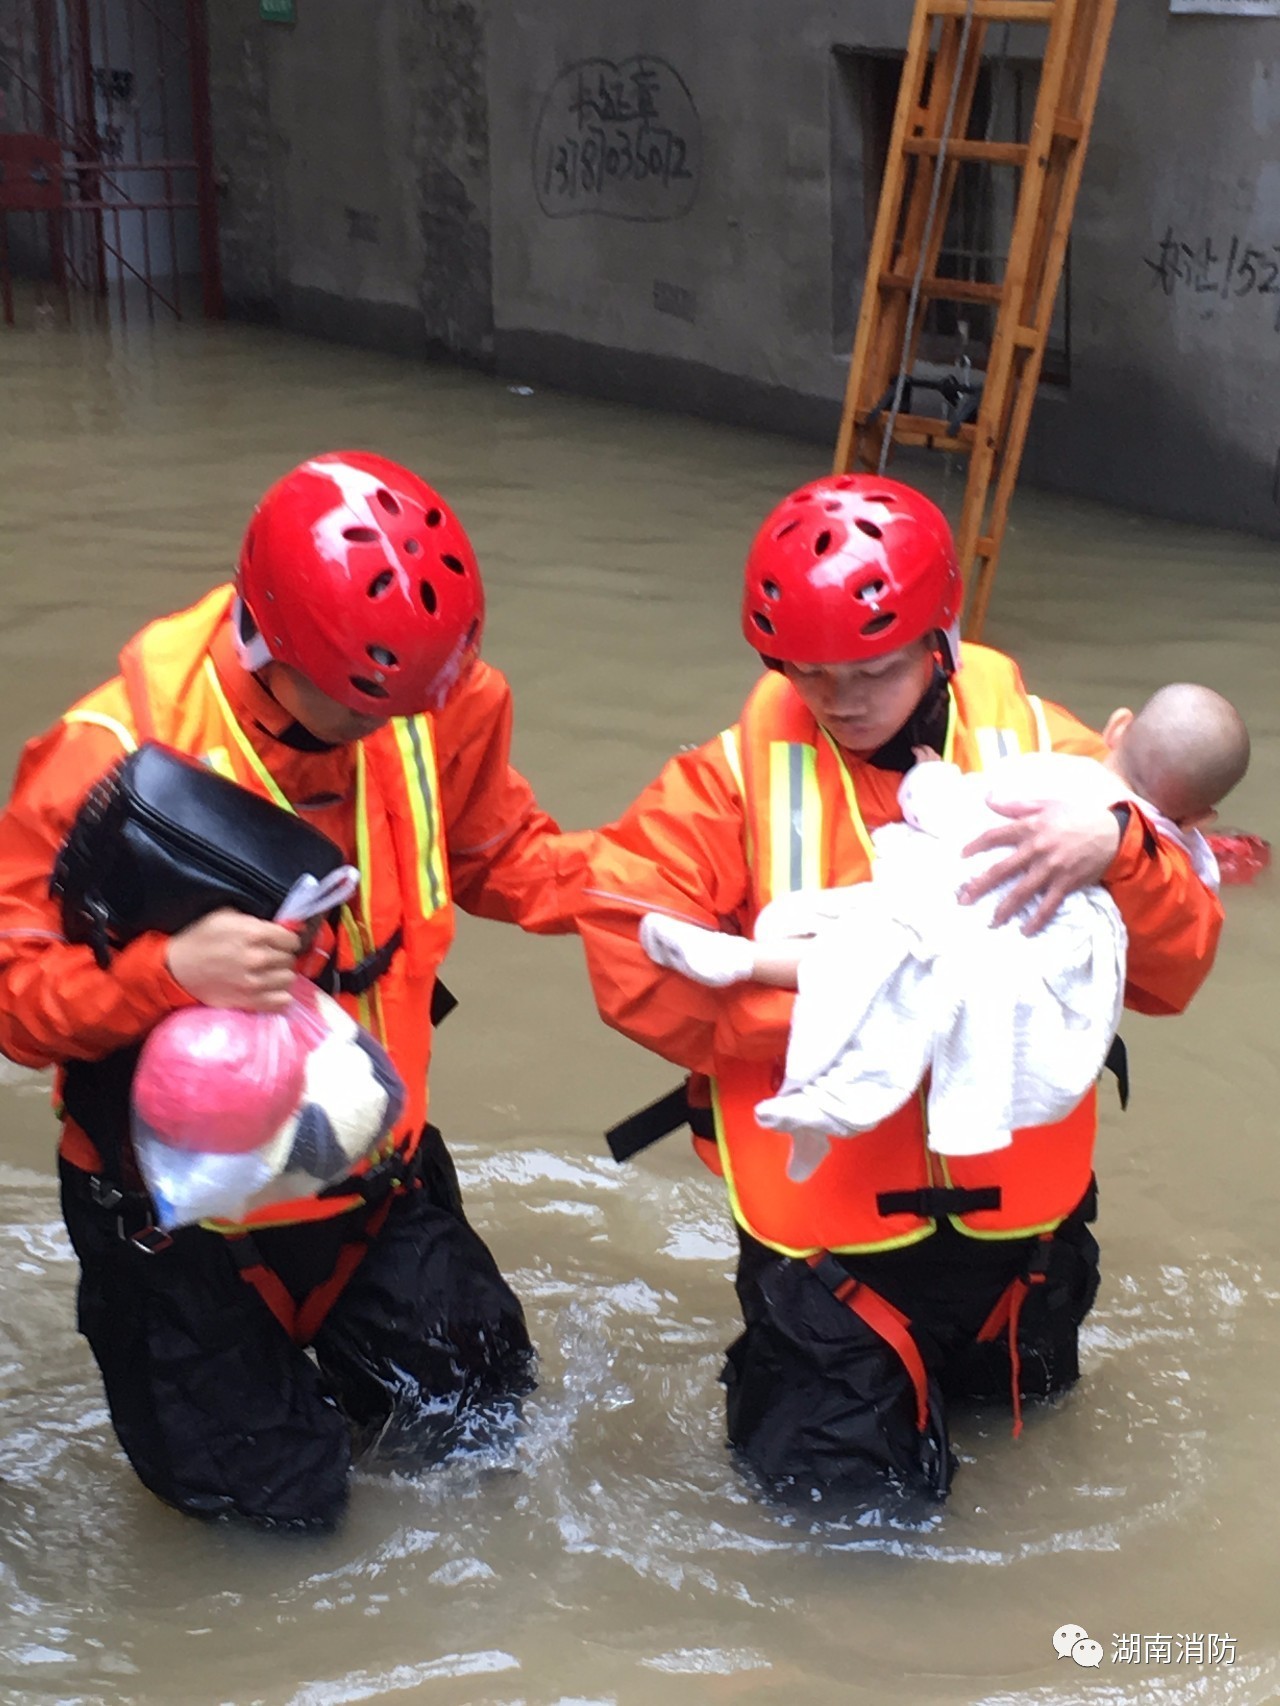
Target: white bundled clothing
[{"x": 901, "y": 980}]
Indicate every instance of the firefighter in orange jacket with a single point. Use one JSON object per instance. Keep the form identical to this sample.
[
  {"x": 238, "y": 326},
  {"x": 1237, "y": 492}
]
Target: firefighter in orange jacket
[
  {"x": 339, "y": 678},
  {"x": 893, "y": 1278}
]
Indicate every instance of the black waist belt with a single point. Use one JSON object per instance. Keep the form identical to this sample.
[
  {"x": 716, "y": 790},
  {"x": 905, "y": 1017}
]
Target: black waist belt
[
  {"x": 933, "y": 1201},
  {"x": 360, "y": 979},
  {"x": 646, "y": 1126}
]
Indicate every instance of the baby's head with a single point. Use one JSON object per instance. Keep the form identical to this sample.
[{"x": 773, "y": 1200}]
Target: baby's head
[{"x": 1184, "y": 750}]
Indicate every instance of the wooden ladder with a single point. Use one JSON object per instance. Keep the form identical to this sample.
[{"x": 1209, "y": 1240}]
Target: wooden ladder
[{"x": 928, "y": 144}]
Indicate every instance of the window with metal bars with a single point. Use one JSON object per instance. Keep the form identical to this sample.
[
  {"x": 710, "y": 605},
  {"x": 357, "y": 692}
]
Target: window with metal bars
[{"x": 975, "y": 242}]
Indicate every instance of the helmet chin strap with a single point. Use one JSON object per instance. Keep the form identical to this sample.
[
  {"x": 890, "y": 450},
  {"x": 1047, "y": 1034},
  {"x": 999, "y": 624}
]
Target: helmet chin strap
[
  {"x": 950, "y": 647},
  {"x": 254, "y": 653}
]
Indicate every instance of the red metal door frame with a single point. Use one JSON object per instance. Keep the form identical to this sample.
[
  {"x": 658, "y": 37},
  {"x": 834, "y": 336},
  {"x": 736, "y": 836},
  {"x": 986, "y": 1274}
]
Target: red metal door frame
[{"x": 61, "y": 91}]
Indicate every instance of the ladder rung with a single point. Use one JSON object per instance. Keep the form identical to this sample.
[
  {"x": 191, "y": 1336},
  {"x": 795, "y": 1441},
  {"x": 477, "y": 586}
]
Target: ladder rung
[
  {"x": 964, "y": 148},
  {"x": 1026, "y": 337},
  {"x": 997, "y": 11},
  {"x": 924, "y": 430},
  {"x": 1070, "y": 129},
  {"x": 946, "y": 289}
]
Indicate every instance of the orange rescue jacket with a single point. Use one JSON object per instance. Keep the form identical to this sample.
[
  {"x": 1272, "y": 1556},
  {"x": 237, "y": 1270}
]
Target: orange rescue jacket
[
  {"x": 773, "y": 804},
  {"x": 417, "y": 825}
]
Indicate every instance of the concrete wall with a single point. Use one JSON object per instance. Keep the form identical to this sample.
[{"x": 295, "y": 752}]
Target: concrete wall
[
  {"x": 352, "y": 150},
  {"x": 431, "y": 177}
]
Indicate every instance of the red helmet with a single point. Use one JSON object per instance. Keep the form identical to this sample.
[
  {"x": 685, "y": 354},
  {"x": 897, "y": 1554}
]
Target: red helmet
[
  {"x": 359, "y": 575},
  {"x": 850, "y": 567}
]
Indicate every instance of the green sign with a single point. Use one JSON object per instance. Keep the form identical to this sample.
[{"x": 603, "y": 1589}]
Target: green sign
[{"x": 278, "y": 11}]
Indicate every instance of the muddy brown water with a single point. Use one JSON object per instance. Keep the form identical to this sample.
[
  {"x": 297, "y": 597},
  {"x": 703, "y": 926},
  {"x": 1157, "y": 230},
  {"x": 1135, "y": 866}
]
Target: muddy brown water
[{"x": 617, "y": 1557}]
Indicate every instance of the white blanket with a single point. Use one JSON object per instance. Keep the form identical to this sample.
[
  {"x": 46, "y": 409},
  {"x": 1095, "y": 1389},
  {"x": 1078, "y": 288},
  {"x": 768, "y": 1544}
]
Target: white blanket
[{"x": 901, "y": 981}]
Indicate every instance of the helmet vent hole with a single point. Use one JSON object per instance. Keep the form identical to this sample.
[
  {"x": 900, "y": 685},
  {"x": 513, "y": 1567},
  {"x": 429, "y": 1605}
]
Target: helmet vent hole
[
  {"x": 878, "y": 624},
  {"x": 248, "y": 545},
  {"x": 802, "y": 497},
  {"x": 871, "y": 592},
  {"x": 762, "y": 622},
  {"x": 361, "y": 535},
  {"x": 454, "y": 564},
  {"x": 869, "y": 528},
  {"x": 433, "y": 517},
  {"x": 772, "y": 589},
  {"x": 822, "y": 544},
  {"x": 428, "y": 595},
  {"x": 412, "y": 547},
  {"x": 370, "y": 689},
  {"x": 473, "y": 633},
  {"x": 379, "y": 584},
  {"x": 388, "y": 503},
  {"x": 834, "y": 507},
  {"x": 883, "y": 499},
  {"x": 382, "y": 657},
  {"x": 787, "y": 527}
]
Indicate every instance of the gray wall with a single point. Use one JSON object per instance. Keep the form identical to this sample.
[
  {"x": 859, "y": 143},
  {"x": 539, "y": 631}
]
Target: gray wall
[
  {"x": 352, "y": 154},
  {"x": 416, "y": 178}
]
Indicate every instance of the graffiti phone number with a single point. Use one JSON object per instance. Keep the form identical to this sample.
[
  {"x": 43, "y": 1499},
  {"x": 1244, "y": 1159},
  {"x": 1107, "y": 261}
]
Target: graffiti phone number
[
  {"x": 1236, "y": 269},
  {"x": 620, "y": 139},
  {"x": 584, "y": 165}
]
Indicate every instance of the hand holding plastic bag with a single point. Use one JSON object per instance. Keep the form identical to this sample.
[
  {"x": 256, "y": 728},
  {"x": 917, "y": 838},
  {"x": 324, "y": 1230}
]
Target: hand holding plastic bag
[{"x": 233, "y": 1111}]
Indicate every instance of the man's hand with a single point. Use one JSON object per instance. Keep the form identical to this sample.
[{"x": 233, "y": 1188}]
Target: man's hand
[
  {"x": 1054, "y": 849},
  {"x": 228, "y": 959}
]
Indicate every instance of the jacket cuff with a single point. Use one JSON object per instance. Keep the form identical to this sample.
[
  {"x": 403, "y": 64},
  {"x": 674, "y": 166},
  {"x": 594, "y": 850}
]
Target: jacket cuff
[
  {"x": 149, "y": 988},
  {"x": 1137, "y": 846}
]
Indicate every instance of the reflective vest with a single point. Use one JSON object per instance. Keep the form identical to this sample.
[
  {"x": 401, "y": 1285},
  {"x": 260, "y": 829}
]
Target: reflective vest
[
  {"x": 175, "y": 696},
  {"x": 884, "y": 1188}
]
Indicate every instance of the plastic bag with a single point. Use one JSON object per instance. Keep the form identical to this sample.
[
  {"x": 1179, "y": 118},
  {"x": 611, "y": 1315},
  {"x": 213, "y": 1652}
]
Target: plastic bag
[{"x": 233, "y": 1111}]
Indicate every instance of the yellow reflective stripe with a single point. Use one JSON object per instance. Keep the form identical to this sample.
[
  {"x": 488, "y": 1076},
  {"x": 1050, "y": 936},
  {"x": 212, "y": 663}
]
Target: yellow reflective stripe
[
  {"x": 350, "y": 925},
  {"x": 990, "y": 1237},
  {"x": 953, "y": 717},
  {"x": 102, "y": 721},
  {"x": 1044, "y": 740},
  {"x": 242, "y": 740},
  {"x": 851, "y": 800},
  {"x": 219, "y": 760},
  {"x": 733, "y": 757},
  {"x": 795, "y": 818},
  {"x": 371, "y": 1000},
  {"x": 1014, "y": 1232},
  {"x": 417, "y": 755}
]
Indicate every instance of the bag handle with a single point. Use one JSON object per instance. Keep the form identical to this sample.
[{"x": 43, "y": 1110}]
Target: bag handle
[{"x": 310, "y": 897}]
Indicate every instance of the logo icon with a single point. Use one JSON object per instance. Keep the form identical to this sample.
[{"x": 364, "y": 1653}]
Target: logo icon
[{"x": 1072, "y": 1641}]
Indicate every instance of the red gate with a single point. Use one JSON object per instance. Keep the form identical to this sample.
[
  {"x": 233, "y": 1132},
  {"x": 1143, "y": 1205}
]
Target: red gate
[{"x": 106, "y": 153}]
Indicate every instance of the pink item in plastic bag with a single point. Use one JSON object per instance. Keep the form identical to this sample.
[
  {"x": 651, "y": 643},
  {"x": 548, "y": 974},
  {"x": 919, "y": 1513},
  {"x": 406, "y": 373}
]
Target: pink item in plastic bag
[{"x": 219, "y": 1080}]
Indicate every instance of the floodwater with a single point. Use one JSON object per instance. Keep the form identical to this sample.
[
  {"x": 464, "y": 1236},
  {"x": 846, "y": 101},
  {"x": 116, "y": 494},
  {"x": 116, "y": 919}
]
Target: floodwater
[{"x": 617, "y": 1557}]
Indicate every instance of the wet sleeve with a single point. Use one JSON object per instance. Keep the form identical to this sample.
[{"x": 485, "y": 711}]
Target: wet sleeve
[
  {"x": 56, "y": 1003},
  {"x": 1172, "y": 919},
  {"x": 507, "y": 857},
  {"x": 680, "y": 849}
]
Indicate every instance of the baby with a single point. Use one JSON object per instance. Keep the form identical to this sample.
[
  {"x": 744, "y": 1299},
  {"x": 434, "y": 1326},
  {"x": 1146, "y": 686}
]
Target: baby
[{"x": 897, "y": 978}]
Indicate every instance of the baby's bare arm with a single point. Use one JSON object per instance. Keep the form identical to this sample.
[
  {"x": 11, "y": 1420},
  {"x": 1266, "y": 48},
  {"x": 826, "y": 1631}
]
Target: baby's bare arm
[{"x": 777, "y": 966}]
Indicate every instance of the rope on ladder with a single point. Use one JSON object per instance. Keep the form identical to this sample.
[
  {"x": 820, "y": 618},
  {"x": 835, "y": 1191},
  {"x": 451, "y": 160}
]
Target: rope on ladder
[{"x": 935, "y": 191}]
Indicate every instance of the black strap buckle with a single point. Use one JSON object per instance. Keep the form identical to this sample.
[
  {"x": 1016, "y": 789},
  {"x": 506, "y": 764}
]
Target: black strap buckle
[
  {"x": 360, "y": 979},
  {"x": 149, "y": 1239},
  {"x": 102, "y": 1193},
  {"x": 834, "y": 1277},
  {"x": 932, "y": 1202}
]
